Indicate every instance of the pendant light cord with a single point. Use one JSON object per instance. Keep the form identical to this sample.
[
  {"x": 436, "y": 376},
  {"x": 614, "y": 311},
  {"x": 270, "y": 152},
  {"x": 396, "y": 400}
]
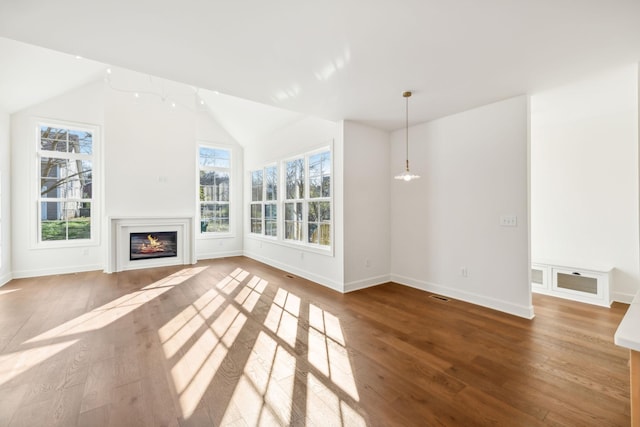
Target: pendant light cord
[
  {"x": 407, "y": 95},
  {"x": 406, "y": 175}
]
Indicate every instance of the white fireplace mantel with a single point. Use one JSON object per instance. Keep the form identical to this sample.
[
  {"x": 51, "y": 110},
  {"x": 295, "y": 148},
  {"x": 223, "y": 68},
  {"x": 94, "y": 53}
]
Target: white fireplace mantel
[{"x": 118, "y": 241}]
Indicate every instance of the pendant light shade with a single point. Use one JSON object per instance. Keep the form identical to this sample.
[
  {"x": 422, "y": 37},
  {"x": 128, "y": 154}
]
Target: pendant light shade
[{"x": 406, "y": 174}]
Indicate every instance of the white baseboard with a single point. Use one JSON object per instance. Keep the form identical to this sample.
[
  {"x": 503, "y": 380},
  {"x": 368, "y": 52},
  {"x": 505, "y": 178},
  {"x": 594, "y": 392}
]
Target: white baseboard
[
  {"x": 622, "y": 297},
  {"x": 366, "y": 283},
  {"x": 321, "y": 280},
  {"x": 53, "y": 271},
  {"x": 214, "y": 255},
  {"x": 492, "y": 303},
  {"x": 5, "y": 278}
]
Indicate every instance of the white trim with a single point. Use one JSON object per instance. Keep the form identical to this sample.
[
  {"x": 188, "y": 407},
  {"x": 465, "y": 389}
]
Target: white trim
[
  {"x": 622, "y": 297},
  {"x": 96, "y": 157},
  {"x": 230, "y": 203},
  {"x": 492, "y": 303},
  {"x": 627, "y": 333},
  {"x": 6, "y": 278},
  {"x": 214, "y": 255},
  {"x": 321, "y": 280},
  {"x": 281, "y": 201},
  {"x": 212, "y": 235},
  {"x": 366, "y": 283},
  {"x": 316, "y": 249},
  {"x": 54, "y": 271}
]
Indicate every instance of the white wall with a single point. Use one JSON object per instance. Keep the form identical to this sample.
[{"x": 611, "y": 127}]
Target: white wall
[
  {"x": 151, "y": 155},
  {"x": 149, "y": 161},
  {"x": 297, "y": 138},
  {"x": 5, "y": 194},
  {"x": 584, "y": 177},
  {"x": 474, "y": 169},
  {"x": 82, "y": 105},
  {"x": 367, "y": 182}
]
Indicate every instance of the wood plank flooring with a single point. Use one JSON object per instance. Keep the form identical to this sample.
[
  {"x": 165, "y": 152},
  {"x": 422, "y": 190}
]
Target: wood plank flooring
[{"x": 233, "y": 342}]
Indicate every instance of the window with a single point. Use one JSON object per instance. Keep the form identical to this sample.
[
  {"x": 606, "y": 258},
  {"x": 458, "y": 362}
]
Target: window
[
  {"x": 306, "y": 204},
  {"x": 271, "y": 201},
  {"x": 214, "y": 189},
  {"x": 319, "y": 213},
  {"x": 294, "y": 200},
  {"x": 264, "y": 199},
  {"x": 256, "y": 196},
  {"x": 66, "y": 183}
]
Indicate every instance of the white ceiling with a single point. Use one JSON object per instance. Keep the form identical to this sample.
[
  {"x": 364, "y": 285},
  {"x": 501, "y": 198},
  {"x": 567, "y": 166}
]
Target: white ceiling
[
  {"x": 30, "y": 74},
  {"x": 344, "y": 59}
]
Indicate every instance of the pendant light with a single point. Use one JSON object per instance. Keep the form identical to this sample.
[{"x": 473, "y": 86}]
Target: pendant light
[{"x": 406, "y": 175}]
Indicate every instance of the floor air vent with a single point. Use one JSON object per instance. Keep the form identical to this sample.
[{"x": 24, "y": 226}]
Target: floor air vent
[
  {"x": 438, "y": 297},
  {"x": 288, "y": 276}
]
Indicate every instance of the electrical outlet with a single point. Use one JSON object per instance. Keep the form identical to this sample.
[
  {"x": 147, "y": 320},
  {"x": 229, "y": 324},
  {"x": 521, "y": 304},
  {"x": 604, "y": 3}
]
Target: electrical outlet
[
  {"x": 367, "y": 262},
  {"x": 508, "y": 221},
  {"x": 464, "y": 272}
]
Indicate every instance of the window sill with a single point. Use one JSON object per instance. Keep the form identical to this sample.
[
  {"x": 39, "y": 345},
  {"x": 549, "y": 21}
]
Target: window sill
[
  {"x": 293, "y": 245},
  {"x": 62, "y": 244},
  {"x": 213, "y": 236}
]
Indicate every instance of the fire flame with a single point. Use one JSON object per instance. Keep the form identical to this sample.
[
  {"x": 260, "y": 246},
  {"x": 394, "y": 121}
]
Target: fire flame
[
  {"x": 154, "y": 245},
  {"x": 153, "y": 241}
]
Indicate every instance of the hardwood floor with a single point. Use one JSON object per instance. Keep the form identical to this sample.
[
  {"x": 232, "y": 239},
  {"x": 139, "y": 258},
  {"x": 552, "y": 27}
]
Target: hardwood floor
[{"x": 235, "y": 342}]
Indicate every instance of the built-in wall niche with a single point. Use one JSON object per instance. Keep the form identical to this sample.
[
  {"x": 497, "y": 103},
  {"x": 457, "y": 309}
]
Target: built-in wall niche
[
  {"x": 578, "y": 284},
  {"x": 137, "y": 242}
]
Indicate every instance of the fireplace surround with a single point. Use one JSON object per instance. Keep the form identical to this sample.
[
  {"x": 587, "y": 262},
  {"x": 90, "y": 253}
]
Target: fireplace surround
[{"x": 144, "y": 242}]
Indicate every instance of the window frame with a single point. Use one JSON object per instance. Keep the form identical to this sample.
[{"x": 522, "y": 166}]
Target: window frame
[
  {"x": 319, "y": 199},
  {"x": 230, "y": 203},
  {"x": 264, "y": 201},
  {"x": 282, "y": 200},
  {"x": 296, "y": 200},
  {"x": 273, "y": 202},
  {"x": 96, "y": 181}
]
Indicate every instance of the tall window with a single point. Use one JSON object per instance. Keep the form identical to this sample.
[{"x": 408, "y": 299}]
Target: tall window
[
  {"x": 319, "y": 214},
  {"x": 308, "y": 199},
  {"x": 271, "y": 201},
  {"x": 215, "y": 176},
  {"x": 264, "y": 199},
  {"x": 294, "y": 199},
  {"x": 256, "y": 196},
  {"x": 66, "y": 195}
]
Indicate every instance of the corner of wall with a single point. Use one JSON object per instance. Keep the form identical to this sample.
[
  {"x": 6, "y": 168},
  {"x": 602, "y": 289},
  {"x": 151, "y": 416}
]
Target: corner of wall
[
  {"x": 445, "y": 234},
  {"x": 5, "y": 198}
]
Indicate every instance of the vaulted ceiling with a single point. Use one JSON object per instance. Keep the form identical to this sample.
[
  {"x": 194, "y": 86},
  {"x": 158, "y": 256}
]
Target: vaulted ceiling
[{"x": 342, "y": 59}]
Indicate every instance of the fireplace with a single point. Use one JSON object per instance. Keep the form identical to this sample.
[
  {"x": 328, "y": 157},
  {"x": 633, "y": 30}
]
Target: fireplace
[
  {"x": 151, "y": 245},
  {"x": 147, "y": 242}
]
